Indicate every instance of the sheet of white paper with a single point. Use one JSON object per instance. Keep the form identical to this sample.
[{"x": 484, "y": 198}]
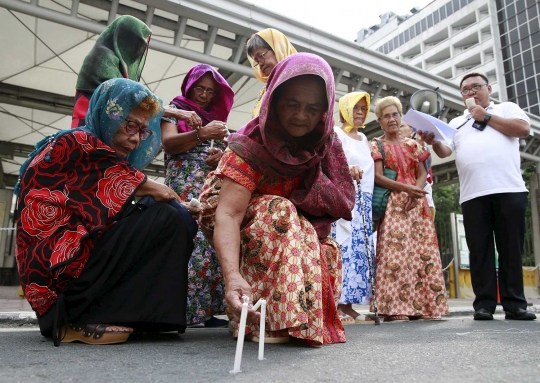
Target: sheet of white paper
[{"x": 427, "y": 123}]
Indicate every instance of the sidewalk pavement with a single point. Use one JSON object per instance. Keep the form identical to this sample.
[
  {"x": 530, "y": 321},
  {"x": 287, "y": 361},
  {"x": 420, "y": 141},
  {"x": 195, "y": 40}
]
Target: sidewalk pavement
[{"x": 16, "y": 310}]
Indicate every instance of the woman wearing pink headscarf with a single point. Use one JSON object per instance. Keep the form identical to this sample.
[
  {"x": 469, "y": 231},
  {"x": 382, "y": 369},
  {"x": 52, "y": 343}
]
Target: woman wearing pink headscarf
[
  {"x": 269, "y": 206},
  {"x": 190, "y": 153}
]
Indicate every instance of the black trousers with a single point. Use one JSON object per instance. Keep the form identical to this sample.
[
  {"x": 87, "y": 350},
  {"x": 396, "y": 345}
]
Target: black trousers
[
  {"x": 136, "y": 275},
  {"x": 500, "y": 217}
]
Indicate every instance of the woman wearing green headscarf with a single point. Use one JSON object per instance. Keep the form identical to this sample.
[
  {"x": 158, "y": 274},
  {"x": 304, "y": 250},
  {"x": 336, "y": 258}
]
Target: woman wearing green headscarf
[
  {"x": 87, "y": 256},
  {"x": 120, "y": 52},
  {"x": 354, "y": 236}
]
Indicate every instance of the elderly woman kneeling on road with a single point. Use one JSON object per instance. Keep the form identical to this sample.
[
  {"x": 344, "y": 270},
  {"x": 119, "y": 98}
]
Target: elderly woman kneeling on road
[
  {"x": 87, "y": 256},
  {"x": 269, "y": 205}
]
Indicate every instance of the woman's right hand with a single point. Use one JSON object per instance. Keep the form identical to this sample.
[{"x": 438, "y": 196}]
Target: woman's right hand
[
  {"x": 160, "y": 192},
  {"x": 356, "y": 173},
  {"x": 215, "y": 130},
  {"x": 191, "y": 118},
  {"x": 236, "y": 287},
  {"x": 415, "y": 192}
]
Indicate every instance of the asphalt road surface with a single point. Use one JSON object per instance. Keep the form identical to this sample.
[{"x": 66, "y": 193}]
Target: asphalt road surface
[{"x": 453, "y": 350}]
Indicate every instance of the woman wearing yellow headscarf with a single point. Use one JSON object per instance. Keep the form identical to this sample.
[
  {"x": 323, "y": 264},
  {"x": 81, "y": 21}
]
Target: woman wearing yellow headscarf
[
  {"x": 354, "y": 236},
  {"x": 264, "y": 50}
]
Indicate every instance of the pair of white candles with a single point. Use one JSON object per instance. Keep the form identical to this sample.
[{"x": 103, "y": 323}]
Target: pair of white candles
[{"x": 242, "y": 332}]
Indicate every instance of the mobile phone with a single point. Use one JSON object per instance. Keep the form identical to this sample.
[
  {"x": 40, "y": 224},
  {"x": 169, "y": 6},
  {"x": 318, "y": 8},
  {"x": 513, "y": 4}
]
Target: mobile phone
[{"x": 480, "y": 125}]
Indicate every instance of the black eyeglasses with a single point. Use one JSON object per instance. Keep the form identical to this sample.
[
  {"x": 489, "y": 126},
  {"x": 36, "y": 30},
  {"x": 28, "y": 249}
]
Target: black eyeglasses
[
  {"x": 133, "y": 128},
  {"x": 259, "y": 57},
  {"x": 475, "y": 88}
]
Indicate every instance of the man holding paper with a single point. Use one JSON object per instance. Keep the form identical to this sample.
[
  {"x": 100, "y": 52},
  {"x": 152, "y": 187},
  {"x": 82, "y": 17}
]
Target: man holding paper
[{"x": 493, "y": 194}]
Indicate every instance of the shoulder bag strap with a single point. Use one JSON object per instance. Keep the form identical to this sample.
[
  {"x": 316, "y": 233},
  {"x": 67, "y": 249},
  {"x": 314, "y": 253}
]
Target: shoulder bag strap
[{"x": 381, "y": 148}]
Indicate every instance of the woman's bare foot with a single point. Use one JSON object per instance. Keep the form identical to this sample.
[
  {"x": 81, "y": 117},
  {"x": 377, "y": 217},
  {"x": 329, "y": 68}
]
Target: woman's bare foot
[{"x": 348, "y": 310}]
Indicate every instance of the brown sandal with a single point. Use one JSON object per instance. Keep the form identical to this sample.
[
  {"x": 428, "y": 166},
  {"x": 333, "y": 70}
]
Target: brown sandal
[
  {"x": 92, "y": 334},
  {"x": 396, "y": 318}
]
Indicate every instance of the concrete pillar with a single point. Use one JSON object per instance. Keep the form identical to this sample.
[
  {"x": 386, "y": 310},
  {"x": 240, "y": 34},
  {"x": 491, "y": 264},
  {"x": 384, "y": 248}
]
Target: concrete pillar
[{"x": 534, "y": 184}]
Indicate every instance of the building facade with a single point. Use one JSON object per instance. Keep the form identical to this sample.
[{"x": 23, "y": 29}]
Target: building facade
[{"x": 451, "y": 38}]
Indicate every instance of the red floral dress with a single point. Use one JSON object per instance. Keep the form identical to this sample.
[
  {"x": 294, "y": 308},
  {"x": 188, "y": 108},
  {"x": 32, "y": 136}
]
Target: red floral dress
[
  {"x": 409, "y": 278},
  {"x": 281, "y": 256},
  {"x": 64, "y": 204}
]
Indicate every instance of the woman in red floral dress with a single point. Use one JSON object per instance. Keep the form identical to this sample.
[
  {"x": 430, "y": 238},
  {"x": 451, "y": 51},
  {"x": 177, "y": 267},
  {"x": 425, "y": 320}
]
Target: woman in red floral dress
[
  {"x": 85, "y": 254},
  {"x": 409, "y": 281},
  {"x": 269, "y": 205}
]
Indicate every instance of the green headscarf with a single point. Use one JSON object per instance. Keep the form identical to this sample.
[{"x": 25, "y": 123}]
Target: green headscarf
[{"x": 120, "y": 52}]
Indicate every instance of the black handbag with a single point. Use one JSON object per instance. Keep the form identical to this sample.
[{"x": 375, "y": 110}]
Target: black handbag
[{"x": 381, "y": 194}]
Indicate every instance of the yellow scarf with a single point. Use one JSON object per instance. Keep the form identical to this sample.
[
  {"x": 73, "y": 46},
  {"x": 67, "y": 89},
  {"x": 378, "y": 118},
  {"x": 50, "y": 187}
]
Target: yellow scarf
[
  {"x": 282, "y": 48},
  {"x": 346, "y": 107}
]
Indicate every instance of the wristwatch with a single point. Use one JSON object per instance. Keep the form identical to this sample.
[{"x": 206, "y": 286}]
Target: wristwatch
[{"x": 487, "y": 118}]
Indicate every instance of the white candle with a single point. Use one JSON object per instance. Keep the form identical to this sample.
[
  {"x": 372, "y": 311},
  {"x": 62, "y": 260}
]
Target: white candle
[
  {"x": 241, "y": 334},
  {"x": 262, "y": 328},
  {"x": 211, "y": 144}
]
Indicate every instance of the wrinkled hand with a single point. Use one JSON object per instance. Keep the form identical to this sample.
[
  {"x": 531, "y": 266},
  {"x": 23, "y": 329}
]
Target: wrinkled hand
[
  {"x": 163, "y": 193},
  {"x": 196, "y": 212},
  {"x": 216, "y": 130},
  {"x": 214, "y": 155},
  {"x": 410, "y": 203},
  {"x": 235, "y": 288},
  {"x": 478, "y": 113},
  {"x": 191, "y": 118},
  {"x": 427, "y": 137},
  {"x": 356, "y": 173},
  {"x": 415, "y": 192}
]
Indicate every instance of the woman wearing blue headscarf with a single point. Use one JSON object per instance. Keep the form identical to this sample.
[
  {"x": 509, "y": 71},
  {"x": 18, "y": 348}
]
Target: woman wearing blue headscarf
[{"x": 87, "y": 256}]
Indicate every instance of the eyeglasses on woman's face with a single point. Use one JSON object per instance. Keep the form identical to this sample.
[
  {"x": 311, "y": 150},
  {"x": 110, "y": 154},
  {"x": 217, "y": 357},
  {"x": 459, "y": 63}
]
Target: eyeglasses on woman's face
[
  {"x": 201, "y": 90},
  {"x": 395, "y": 116},
  {"x": 133, "y": 128},
  {"x": 475, "y": 88},
  {"x": 259, "y": 58}
]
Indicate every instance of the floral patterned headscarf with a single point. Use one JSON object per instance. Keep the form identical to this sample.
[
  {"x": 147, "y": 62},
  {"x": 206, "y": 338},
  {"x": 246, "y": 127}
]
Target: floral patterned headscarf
[{"x": 110, "y": 105}]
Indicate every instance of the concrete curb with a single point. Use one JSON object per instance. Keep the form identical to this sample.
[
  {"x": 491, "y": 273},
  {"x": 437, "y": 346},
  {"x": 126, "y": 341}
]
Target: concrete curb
[{"x": 24, "y": 317}]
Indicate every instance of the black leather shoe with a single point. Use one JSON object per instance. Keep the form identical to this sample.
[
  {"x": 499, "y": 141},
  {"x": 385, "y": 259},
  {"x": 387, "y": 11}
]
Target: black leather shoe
[
  {"x": 483, "y": 314},
  {"x": 520, "y": 314}
]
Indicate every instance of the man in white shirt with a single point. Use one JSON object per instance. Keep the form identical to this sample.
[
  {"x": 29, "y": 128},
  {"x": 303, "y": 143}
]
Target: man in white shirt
[{"x": 493, "y": 196}]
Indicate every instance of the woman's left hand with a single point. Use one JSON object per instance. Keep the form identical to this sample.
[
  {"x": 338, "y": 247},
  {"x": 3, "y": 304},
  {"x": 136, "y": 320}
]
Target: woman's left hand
[
  {"x": 196, "y": 212},
  {"x": 191, "y": 118},
  {"x": 160, "y": 192},
  {"x": 214, "y": 155},
  {"x": 356, "y": 173}
]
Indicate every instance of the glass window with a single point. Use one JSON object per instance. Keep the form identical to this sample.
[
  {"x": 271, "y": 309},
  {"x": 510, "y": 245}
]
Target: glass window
[
  {"x": 423, "y": 24},
  {"x": 530, "y": 3},
  {"x": 525, "y": 43},
  {"x": 412, "y": 32},
  {"x": 518, "y": 75},
  {"x": 510, "y": 92},
  {"x": 533, "y": 98},
  {"x": 401, "y": 39},
  {"x": 509, "y": 78},
  {"x": 507, "y": 65},
  {"x": 429, "y": 21},
  {"x": 531, "y": 85},
  {"x": 504, "y": 40},
  {"x": 524, "y": 31},
  {"x": 500, "y": 16},
  {"x": 522, "y": 18},
  {"x": 515, "y": 49},
  {"x": 535, "y": 110},
  {"x": 390, "y": 46},
  {"x": 536, "y": 53},
  {"x": 456, "y": 5},
  {"x": 502, "y": 28},
  {"x": 535, "y": 38},
  {"x": 516, "y": 61},
  {"x": 520, "y": 88},
  {"x": 417, "y": 28},
  {"x": 463, "y": 3},
  {"x": 527, "y": 57},
  {"x": 533, "y": 25},
  {"x": 449, "y": 9},
  {"x": 520, "y": 5},
  {"x": 522, "y": 101},
  {"x": 512, "y": 23},
  {"x": 532, "y": 12},
  {"x": 396, "y": 42},
  {"x": 510, "y": 11},
  {"x": 442, "y": 12},
  {"x": 506, "y": 52},
  {"x": 513, "y": 36},
  {"x": 435, "y": 17},
  {"x": 499, "y": 4},
  {"x": 537, "y": 66},
  {"x": 407, "y": 37}
]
